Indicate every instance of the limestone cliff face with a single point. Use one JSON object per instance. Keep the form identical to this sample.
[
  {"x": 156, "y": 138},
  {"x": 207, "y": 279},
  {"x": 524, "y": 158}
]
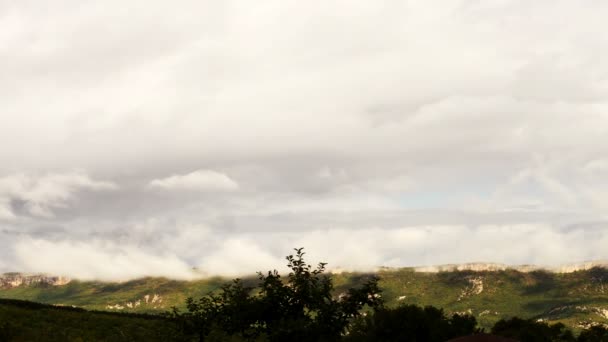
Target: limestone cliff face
[
  {"x": 10, "y": 280},
  {"x": 478, "y": 267},
  {"x": 582, "y": 266}
]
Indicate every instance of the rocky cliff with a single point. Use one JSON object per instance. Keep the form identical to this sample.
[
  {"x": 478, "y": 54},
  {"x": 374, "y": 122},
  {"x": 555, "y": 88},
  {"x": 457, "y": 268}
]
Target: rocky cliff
[
  {"x": 481, "y": 267},
  {"x": 10, "y": 280}
]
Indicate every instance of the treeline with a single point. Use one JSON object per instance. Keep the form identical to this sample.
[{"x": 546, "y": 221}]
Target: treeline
[{"x": 303, "y": 307}]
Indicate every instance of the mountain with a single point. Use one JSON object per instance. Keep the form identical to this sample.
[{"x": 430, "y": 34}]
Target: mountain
[
  {"x": 11, "y": 280},
  {"x": 576, "y": 296}
]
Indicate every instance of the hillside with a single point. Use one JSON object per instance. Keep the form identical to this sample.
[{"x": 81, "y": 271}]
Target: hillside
[
  {"x": 578, "y": 299},
  {"x": 27, "y": 321}
]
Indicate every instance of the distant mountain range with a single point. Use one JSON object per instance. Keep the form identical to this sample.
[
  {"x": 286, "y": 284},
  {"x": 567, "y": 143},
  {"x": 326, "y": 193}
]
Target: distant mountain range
[
  {"x": 480, "y": 266},
  {"x": 576, "y": 295}
]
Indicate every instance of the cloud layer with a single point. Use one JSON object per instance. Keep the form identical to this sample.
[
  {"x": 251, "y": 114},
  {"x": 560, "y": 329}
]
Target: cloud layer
[
  {"x": 37, "y": 196},
  {"x": 156, "y": 137},
  {"x": 237, "y": 254}
]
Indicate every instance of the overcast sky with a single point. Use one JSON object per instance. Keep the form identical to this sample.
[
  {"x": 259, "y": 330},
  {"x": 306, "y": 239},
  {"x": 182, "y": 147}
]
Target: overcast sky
[{"x": 149, "y": 137}]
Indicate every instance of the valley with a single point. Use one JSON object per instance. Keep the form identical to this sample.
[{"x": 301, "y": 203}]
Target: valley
[{"x": 579, "y": 298}]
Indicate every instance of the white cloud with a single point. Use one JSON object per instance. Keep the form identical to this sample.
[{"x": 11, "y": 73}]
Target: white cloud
[
  {"x": 200, "y": 180},
  {"x": 97, "y": 260},
  {"x": 366, "y": 249},
  {"x": 150, "y": 250},
  {"x": 239, "y": 256}
]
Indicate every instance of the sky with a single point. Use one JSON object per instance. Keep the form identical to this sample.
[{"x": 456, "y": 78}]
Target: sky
[{"x": 151, "y": 137}]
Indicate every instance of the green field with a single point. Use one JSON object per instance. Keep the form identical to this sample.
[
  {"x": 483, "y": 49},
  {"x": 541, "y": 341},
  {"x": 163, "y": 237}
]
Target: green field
[
  {"x": 576, "y": 298},
  {"x": 27, "y": 321}
]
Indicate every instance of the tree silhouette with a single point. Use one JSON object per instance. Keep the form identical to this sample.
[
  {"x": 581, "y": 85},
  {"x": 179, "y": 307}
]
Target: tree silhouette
[
  {"x": 594, "y": 334},
  {"x": 299, "y": 307},
  {"x": 529, "y": 330},
  {"x": 411, "y": 323}
]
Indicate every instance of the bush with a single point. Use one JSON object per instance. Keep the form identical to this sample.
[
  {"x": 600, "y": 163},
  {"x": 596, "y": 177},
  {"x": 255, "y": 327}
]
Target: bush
[
  {"x": 411, "y": 323},
  {"x": 528, "y": 330},
  {"x": 594, "y": 334}
]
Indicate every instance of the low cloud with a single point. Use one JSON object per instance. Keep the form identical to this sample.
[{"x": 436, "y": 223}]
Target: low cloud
[
  {"x": 201, "y": 180},
  {"x": 214, "y": 252},
  {"x": 367, "y": 249},
  {"x": 97, "y": 260},
  {"x": 238, "y": 256}
]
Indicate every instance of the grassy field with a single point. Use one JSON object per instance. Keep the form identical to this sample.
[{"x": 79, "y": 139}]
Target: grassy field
[
  {"x": 27, "y": 321},
  {"x": 576, "y": 298}
]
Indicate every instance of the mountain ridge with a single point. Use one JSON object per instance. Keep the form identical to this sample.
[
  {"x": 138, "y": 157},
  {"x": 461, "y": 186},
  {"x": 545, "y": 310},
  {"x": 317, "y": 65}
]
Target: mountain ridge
[
  {"x": 15, "y": 279},
  {"x": 489, "y": 266},
  {"x": 578, "y": 298}
]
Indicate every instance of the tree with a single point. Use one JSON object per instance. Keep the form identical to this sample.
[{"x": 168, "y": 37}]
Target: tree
[
  {"x": 594, "y": 334},
  {"x": 528, "y": 330},
  {"x": 411, "y": 323},
  {"x": 7, "y": 331},
  {"x": 300, "y": 307}
]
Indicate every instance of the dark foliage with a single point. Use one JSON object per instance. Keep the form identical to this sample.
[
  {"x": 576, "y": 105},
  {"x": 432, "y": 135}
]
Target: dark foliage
[
  {"x": 300, "y": 307},
  {"x": 528, "y": 330},
  {"x": 594, "y": 334},
  {"x": 411, "y": 323},
  {"x": 28, "y": 321}
]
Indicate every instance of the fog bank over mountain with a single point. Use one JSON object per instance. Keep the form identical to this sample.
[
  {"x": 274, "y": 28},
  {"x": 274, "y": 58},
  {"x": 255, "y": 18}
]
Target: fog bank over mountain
[
  {"x": 243, "y": 253},
  {"x": 147, "y": 138}
]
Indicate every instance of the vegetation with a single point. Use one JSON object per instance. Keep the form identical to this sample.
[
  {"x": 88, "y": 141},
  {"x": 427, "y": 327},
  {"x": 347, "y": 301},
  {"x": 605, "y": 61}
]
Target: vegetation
[
  {"x": 311, "y": 305},
  {"x": 594, "y": 334},
  {"x": 411, "y": 323},
  {"x": 575, "y": 299},
  {"x": 301, "y": 307},
  {"x": 28, "y": 321},
  {"x": 95, "y": 295},
  {"x": 304, "y": 307},
  {"x": 534, "y": 331}
]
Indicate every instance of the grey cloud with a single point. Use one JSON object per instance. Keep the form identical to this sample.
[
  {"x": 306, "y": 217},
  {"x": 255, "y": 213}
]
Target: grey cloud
[
  {"x": 325, "y": 116},
  {"x": 38, "y": 196}
]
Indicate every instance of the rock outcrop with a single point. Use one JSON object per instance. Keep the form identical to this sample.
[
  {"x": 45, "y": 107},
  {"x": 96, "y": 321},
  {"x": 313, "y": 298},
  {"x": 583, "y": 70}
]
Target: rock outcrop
[
  {"x": 11, "y": 280},
  {"x": 477, "y": 267},
  {"x": 475, "y": 287},
  {"x": 492, "y": 267},
  {"x": 153, "y": 301}
]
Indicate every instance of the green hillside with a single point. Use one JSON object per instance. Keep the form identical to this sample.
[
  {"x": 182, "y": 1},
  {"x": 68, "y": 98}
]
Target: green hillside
[
  {"x": 577, "y": 298},
  {"x": 27, "y": 321}
]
